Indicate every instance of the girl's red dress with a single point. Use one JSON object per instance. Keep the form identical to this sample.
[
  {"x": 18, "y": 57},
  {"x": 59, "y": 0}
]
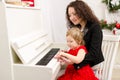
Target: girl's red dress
[{"x": 84, "y": 73}]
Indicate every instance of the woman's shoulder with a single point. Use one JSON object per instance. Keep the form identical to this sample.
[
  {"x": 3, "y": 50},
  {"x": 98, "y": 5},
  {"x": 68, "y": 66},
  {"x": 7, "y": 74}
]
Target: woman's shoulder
[
  {"x": 92, "y": 24},
  {"x": 95, "y": 26}
]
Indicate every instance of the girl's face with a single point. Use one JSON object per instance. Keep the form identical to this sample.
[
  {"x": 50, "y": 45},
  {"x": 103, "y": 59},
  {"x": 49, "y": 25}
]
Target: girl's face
[
  {"x": 73, "y": 16},
  {"x": 71, "y": 42}
]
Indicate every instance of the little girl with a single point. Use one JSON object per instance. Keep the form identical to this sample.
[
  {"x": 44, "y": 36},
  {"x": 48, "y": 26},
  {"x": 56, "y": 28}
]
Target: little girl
[{"x": 75, "y": 54}]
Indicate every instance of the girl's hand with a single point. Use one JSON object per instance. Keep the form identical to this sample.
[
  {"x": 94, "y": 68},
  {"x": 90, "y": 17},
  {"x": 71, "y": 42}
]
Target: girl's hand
[{"x": 58, "y": 56}]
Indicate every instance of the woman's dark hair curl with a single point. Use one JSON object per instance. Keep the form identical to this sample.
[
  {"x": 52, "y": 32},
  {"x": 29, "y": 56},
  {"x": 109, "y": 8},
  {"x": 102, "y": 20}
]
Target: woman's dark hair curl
[{"x": 82, "y": 10}]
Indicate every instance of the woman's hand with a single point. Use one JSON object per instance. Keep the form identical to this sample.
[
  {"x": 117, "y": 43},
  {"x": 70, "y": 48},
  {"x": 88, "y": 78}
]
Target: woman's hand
[{"x": 66, "y": 60}]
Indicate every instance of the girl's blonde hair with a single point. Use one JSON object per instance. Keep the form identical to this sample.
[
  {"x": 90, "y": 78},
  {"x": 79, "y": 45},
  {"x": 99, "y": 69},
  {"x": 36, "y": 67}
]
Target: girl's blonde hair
[{"x": 76, "y": 34}]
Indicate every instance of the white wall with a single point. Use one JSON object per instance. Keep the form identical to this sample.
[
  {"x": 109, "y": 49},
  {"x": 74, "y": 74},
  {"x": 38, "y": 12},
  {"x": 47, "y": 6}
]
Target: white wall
[
  {"x": 21, "y": 21},
  {"x": 98, "y": 7},
  {"x": 46, "y": 21},
  {"x": 58, "y": 20}
]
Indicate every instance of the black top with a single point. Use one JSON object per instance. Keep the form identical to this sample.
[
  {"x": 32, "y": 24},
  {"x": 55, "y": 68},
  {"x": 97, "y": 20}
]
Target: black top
[{"x": 93, "y": 41}]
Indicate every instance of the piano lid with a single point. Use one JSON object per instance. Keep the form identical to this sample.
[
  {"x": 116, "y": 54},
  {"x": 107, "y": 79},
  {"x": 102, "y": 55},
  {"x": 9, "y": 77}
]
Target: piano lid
[{"x": 28, "y": 47}]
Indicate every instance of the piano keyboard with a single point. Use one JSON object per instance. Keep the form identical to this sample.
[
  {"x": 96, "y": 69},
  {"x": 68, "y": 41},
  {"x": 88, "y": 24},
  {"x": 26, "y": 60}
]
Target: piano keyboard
[{"x": 45, "y": 60}]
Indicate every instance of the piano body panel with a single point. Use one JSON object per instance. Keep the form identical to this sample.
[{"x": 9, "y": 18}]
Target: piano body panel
[
  {"x": 31, "y": 71},
  {"x": 27, "y": 72}
]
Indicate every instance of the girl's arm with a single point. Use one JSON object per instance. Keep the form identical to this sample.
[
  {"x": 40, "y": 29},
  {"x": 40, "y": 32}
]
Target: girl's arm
[{"x": 75, "y": 59}]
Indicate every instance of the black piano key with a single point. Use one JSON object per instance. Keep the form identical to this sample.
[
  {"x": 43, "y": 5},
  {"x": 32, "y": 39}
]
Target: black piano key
[{"x": 45, "y": 60}]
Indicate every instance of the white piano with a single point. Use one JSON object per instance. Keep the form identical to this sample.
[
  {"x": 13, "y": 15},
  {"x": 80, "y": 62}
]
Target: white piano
[
  {"x": 25, "y": 40},
  {"x": 32, "y": 50}
]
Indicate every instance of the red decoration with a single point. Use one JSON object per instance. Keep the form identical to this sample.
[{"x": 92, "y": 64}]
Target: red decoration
[
  {"x": 114, "y": 32},
  {"x": 32, "y": 5},
  {"x": 30, "y": 2},
  {"x": 117, "y": 25}
]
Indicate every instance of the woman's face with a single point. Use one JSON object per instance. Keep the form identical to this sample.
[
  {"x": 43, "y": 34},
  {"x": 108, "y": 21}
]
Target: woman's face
[{"x": 73, "y": 16}]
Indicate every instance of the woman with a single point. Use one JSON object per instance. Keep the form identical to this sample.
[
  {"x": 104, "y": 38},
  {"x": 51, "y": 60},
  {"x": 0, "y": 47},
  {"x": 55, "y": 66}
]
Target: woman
[{"x": 79, "y": 14}]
